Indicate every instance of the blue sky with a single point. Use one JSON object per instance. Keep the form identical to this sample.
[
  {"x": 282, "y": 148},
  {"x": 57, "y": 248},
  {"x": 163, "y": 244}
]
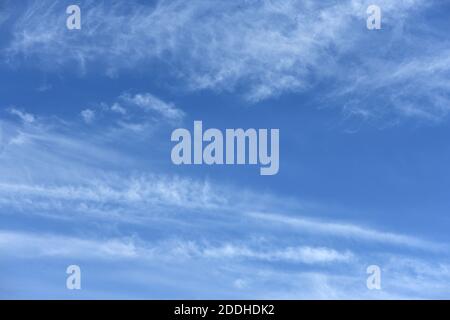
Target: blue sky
[{"x": 86, "y": 176}]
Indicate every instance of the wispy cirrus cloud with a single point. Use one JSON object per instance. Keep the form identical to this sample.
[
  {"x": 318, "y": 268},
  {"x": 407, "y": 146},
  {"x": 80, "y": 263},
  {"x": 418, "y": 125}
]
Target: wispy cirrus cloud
[
  {"x": 105, "y": 190},
  {"x": 304, "y": 254},
  {"x": 416, "y": 87},
  {"x": 139, "y": 198},
  {"x": 133, "y": 198},
  {"x": 94, "y": 182},
  {"x": 135, "y": 113},
  {"x": 24, "y": 116},
  {"x": 88, "y": 115},
  {"x": 149, "y": 103},
  {"x": 347, "y": 231},
  {"x": 29, "y": 245},
  {"x": 52, "y": 175},
  {"x": 232, "y": 266},
  {"x": 260, "y": 49}
]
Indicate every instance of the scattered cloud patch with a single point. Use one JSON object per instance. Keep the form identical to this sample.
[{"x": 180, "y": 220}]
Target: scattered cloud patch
[
  {"x": 44, "y": 87},
  {"x": 88, "y": 116},
  {"x": 149, "y": 102},
  {"x": 304, "y": 254},
  {"x": 347, "y": 231},
  {"x": 116, "y": 107},
  {"x": 24, "y": 116},
  {"x": 31, "y": 245}
]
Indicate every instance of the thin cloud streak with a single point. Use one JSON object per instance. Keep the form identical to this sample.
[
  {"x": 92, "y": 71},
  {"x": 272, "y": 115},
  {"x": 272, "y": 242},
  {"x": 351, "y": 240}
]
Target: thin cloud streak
[
  {"x": 347, "y": 231},
  {"x": 29, "y": 245}
]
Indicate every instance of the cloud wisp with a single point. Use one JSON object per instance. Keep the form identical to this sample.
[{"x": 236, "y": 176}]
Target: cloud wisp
[
  {"x": 25, "y": 117},
  {"x": 28, "y": 245},
  {"x": 149, "y": 102},
  {"x": 344, "y": 230},
  {"x": 260, "y": 49}
]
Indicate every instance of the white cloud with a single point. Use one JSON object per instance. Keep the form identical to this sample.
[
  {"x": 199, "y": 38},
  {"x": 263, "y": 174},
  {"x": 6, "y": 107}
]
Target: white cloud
[
  {"x": 402, "y": 277},
  {"x": 260, "y": 48},
  {"x": 149, "y": 102},
  {"x": 135, "y": 113},
  {"x": 65, "y": 176},
  {"x": 303, "y": 254},
  {"x": 145, "y": 192},
  {"x": 71, "y": 179},
  {"x": 30, "y": 245},
  {"x": 347, "y": 231},
  {"x": 45, "y": 152},
  {"x": 88, "y": 116},
  {"x": 118, "y": 108},
  {"x": 44, "y": 87},
  {"x": 47, "y": 168},
  {"x": 25, "y": 117},
  {"x": 121, "y": 199},
  {"x": 240, "y": 283},
  {"x": 415, "y": 88}
]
